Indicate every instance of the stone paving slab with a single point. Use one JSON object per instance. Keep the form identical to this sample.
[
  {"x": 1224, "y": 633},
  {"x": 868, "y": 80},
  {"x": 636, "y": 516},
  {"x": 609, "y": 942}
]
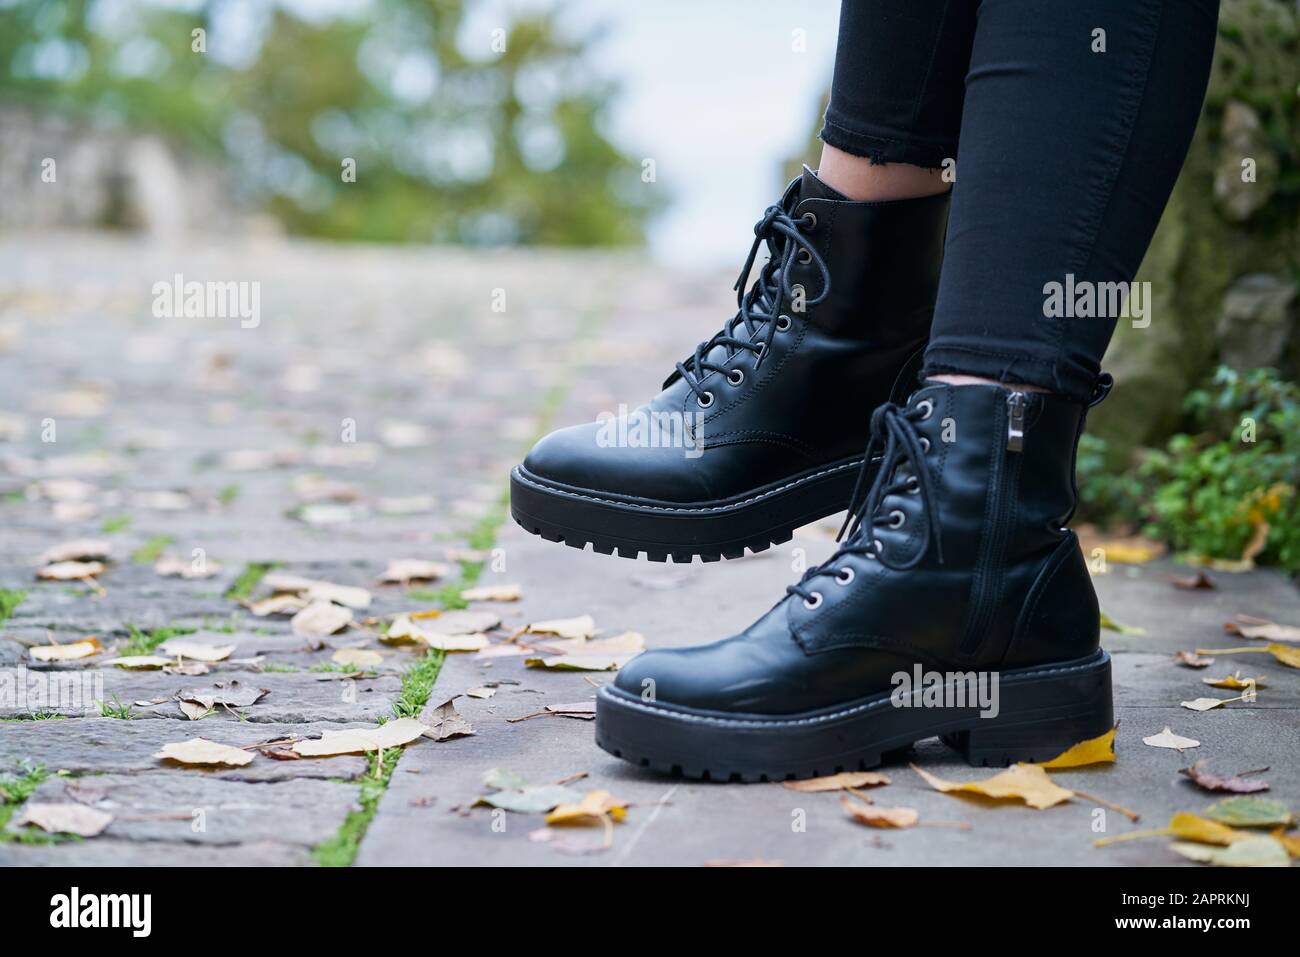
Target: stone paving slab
[
  {"x": 113, "y": 852},
  {"x": 290, "y": 698},
  {"x": 113, "y": 746}
]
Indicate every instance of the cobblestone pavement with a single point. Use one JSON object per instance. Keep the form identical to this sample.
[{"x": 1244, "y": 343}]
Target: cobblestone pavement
[{"x": 371, "y": 415}]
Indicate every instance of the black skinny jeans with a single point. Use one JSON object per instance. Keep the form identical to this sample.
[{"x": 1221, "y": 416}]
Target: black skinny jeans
[{"x": 1067, "y": 155}]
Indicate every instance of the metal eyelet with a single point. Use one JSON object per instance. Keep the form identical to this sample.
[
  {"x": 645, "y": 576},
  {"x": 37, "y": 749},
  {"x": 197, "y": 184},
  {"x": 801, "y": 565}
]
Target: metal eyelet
[
  {"x": 805, "y": 256},
  {"x": 913, "y": 486},
  {"x": 699, "y": 399},
  {"x": 736, "y": 376},
  {"x": 783, "y": 322},
  {"x": 928, "y": 406},
  {"x": 814, "y": 602},
  {"x": 897, "y": 518},
  {"x": 925, "y": 444},
  {"x": 846, "y": 575}
]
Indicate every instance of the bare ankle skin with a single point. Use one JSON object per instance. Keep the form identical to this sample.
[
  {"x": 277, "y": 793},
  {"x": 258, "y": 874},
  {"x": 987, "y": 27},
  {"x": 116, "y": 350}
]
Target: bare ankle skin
[
  {"x": 952, "y": 379},
  {"x": 860, "y": 179}
]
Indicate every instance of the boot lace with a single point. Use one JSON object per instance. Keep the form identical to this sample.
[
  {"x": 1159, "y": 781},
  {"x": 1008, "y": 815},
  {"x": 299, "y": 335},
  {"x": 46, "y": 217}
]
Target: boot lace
[
  {"x": 893, "y": 430},
  {"x": 760, "y": 304}
]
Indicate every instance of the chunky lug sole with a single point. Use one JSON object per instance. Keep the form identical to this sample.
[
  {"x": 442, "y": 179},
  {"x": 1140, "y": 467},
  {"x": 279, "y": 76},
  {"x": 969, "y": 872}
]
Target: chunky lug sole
[
  {"x": 1042, "y": 712},
  {"x": 724, "y": 528}
]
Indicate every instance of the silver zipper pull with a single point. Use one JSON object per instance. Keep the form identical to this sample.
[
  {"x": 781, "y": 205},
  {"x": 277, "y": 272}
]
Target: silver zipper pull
[{"x": 1016, "y": 422}]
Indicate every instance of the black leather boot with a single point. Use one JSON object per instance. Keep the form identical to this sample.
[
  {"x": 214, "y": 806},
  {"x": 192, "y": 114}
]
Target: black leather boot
[
  {"x": 958, "y": 606},
  {"x": 762, "y": 429}
]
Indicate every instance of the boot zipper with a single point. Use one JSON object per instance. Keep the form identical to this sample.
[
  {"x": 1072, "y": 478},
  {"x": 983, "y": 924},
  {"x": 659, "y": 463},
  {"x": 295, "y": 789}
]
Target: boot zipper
[
  {"x": 1005, "y": 477},
  {"x": 1016, "y": 422}
]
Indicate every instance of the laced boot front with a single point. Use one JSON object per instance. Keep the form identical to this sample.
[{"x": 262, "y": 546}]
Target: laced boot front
[
  {"x": 957, "y": 606},
  {"x": 758, "y": 431}
]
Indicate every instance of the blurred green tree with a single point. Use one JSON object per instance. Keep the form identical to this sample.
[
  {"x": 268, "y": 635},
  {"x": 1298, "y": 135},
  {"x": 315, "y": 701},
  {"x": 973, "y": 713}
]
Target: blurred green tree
[{"x": 397, "y": 123}]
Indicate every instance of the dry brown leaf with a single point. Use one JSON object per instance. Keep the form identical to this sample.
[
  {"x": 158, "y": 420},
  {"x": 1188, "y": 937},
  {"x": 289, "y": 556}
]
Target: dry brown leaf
[
  {"x": 1196, "y": 582},
  {"x": 140, "y": 662},
  {"x": 391, "y": 735},
  {"x": 1024, "y": 782},
  {"x": 1206, "y": 779},
  {"x": 195, "y": 650},
  {"x": 1250, "y": 627},
  {"x": 320, "y": 619},
  {"x": 446, "y": 722},
  {"x": 461, "y": 622},
  {"x": 71, "y": 571},
  {"x": 360, "y": 657},
  {"x": 456, "y": 642},
  {"x": 65, "y": 818},
  {"x": 173, "y": 566},
  {"x": 77, "y": 550},
  {"x": 839, "y": 782},
  {"x": 1190, "y": 659},
  {"x": 493, "y": 593},
  {"x": 276, "y": 605},
  {"x": 313, "y": 589},
  {"x": 873, "y": 816},
  {"x": 582, "y": 627},
  {"x": 628, "y": 643},
  {"x": 1167, "y": 739},
  {"x": 401, "y": 571},
  {"x": 579, "y": 662},
  {"x": 483, "y": 692},
  {"x": 67, "y": 652},
  {"x": 200, "y": 751}
]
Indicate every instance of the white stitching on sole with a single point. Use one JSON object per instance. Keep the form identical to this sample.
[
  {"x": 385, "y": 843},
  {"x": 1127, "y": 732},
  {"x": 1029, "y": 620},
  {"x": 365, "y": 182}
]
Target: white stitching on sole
[{"x": 669, "y": 508}]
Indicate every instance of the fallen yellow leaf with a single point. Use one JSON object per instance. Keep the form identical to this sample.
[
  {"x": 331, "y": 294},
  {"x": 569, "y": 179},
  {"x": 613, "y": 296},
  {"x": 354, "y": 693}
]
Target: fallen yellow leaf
[
  {"x": 594, "y": 808},
  {"x": 1024, "y": 782},
  {"x": 69, "y": 652},
  {"x": 839, "y": 782},
  {"x": 1098, "y": 750}
]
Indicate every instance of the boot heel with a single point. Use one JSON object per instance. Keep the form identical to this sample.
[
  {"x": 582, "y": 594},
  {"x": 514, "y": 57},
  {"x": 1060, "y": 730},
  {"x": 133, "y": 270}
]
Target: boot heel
[{"x": 1041, "y": 717}]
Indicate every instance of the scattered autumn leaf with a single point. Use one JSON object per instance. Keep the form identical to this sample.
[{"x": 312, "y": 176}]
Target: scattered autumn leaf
[
  {"x": 394, "y": 734},
  {"x": 402, "y": 571},
  {"x": 1167, "y": 739},
  {"x": 873, "y": 816},
  {"x": 1098, "y": 750},
  {"x": 196, "y": 650},
  {"x": 579, "y": 662},
  {"x": 1024, "y": 782},
  {"x": 313, "y": 589},
  {"x": 596, "y": 807},
  {"x": 77, "y": 550},
  {"x": 456, "y": 642},
  {"x": 1250, "y": 812},
  {"x": 200, "y": 751},
  {"x": 276, "y": 605},
  {"x": 321, "y": 618},
  {"x": 71, "y": 571},
  {"x": 173, "y": 566},
  {"x": 511, "y": 792},
  {"x": 1235, "y": 682},
  {"x": 493, "y": 593},
  {"x": 1252, "y": 852},
  {"x": 1199, "y": 581},
  {"x": 583, "y": 627},
  {"x": 1286, "y": 654},
  {"x": 1190, "y": 659},
  {"x": 230, "y": 694},
  {"x": 140, "y": 662},
  {"x": 446, "y": 722},
  {"x": 1249, "y": 626},
  {"x": 1130, "y": 551},
  {"x": 359, "y": 657},
  {"x": 67, "y": 652},
  {"x": 839, "y": 782},
  {"x": 483, "y": 692},
  {"x": 64, "y": 818},
  {"x": 1206, "y": 779},
  {"x": 1206, "y": 704}
]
